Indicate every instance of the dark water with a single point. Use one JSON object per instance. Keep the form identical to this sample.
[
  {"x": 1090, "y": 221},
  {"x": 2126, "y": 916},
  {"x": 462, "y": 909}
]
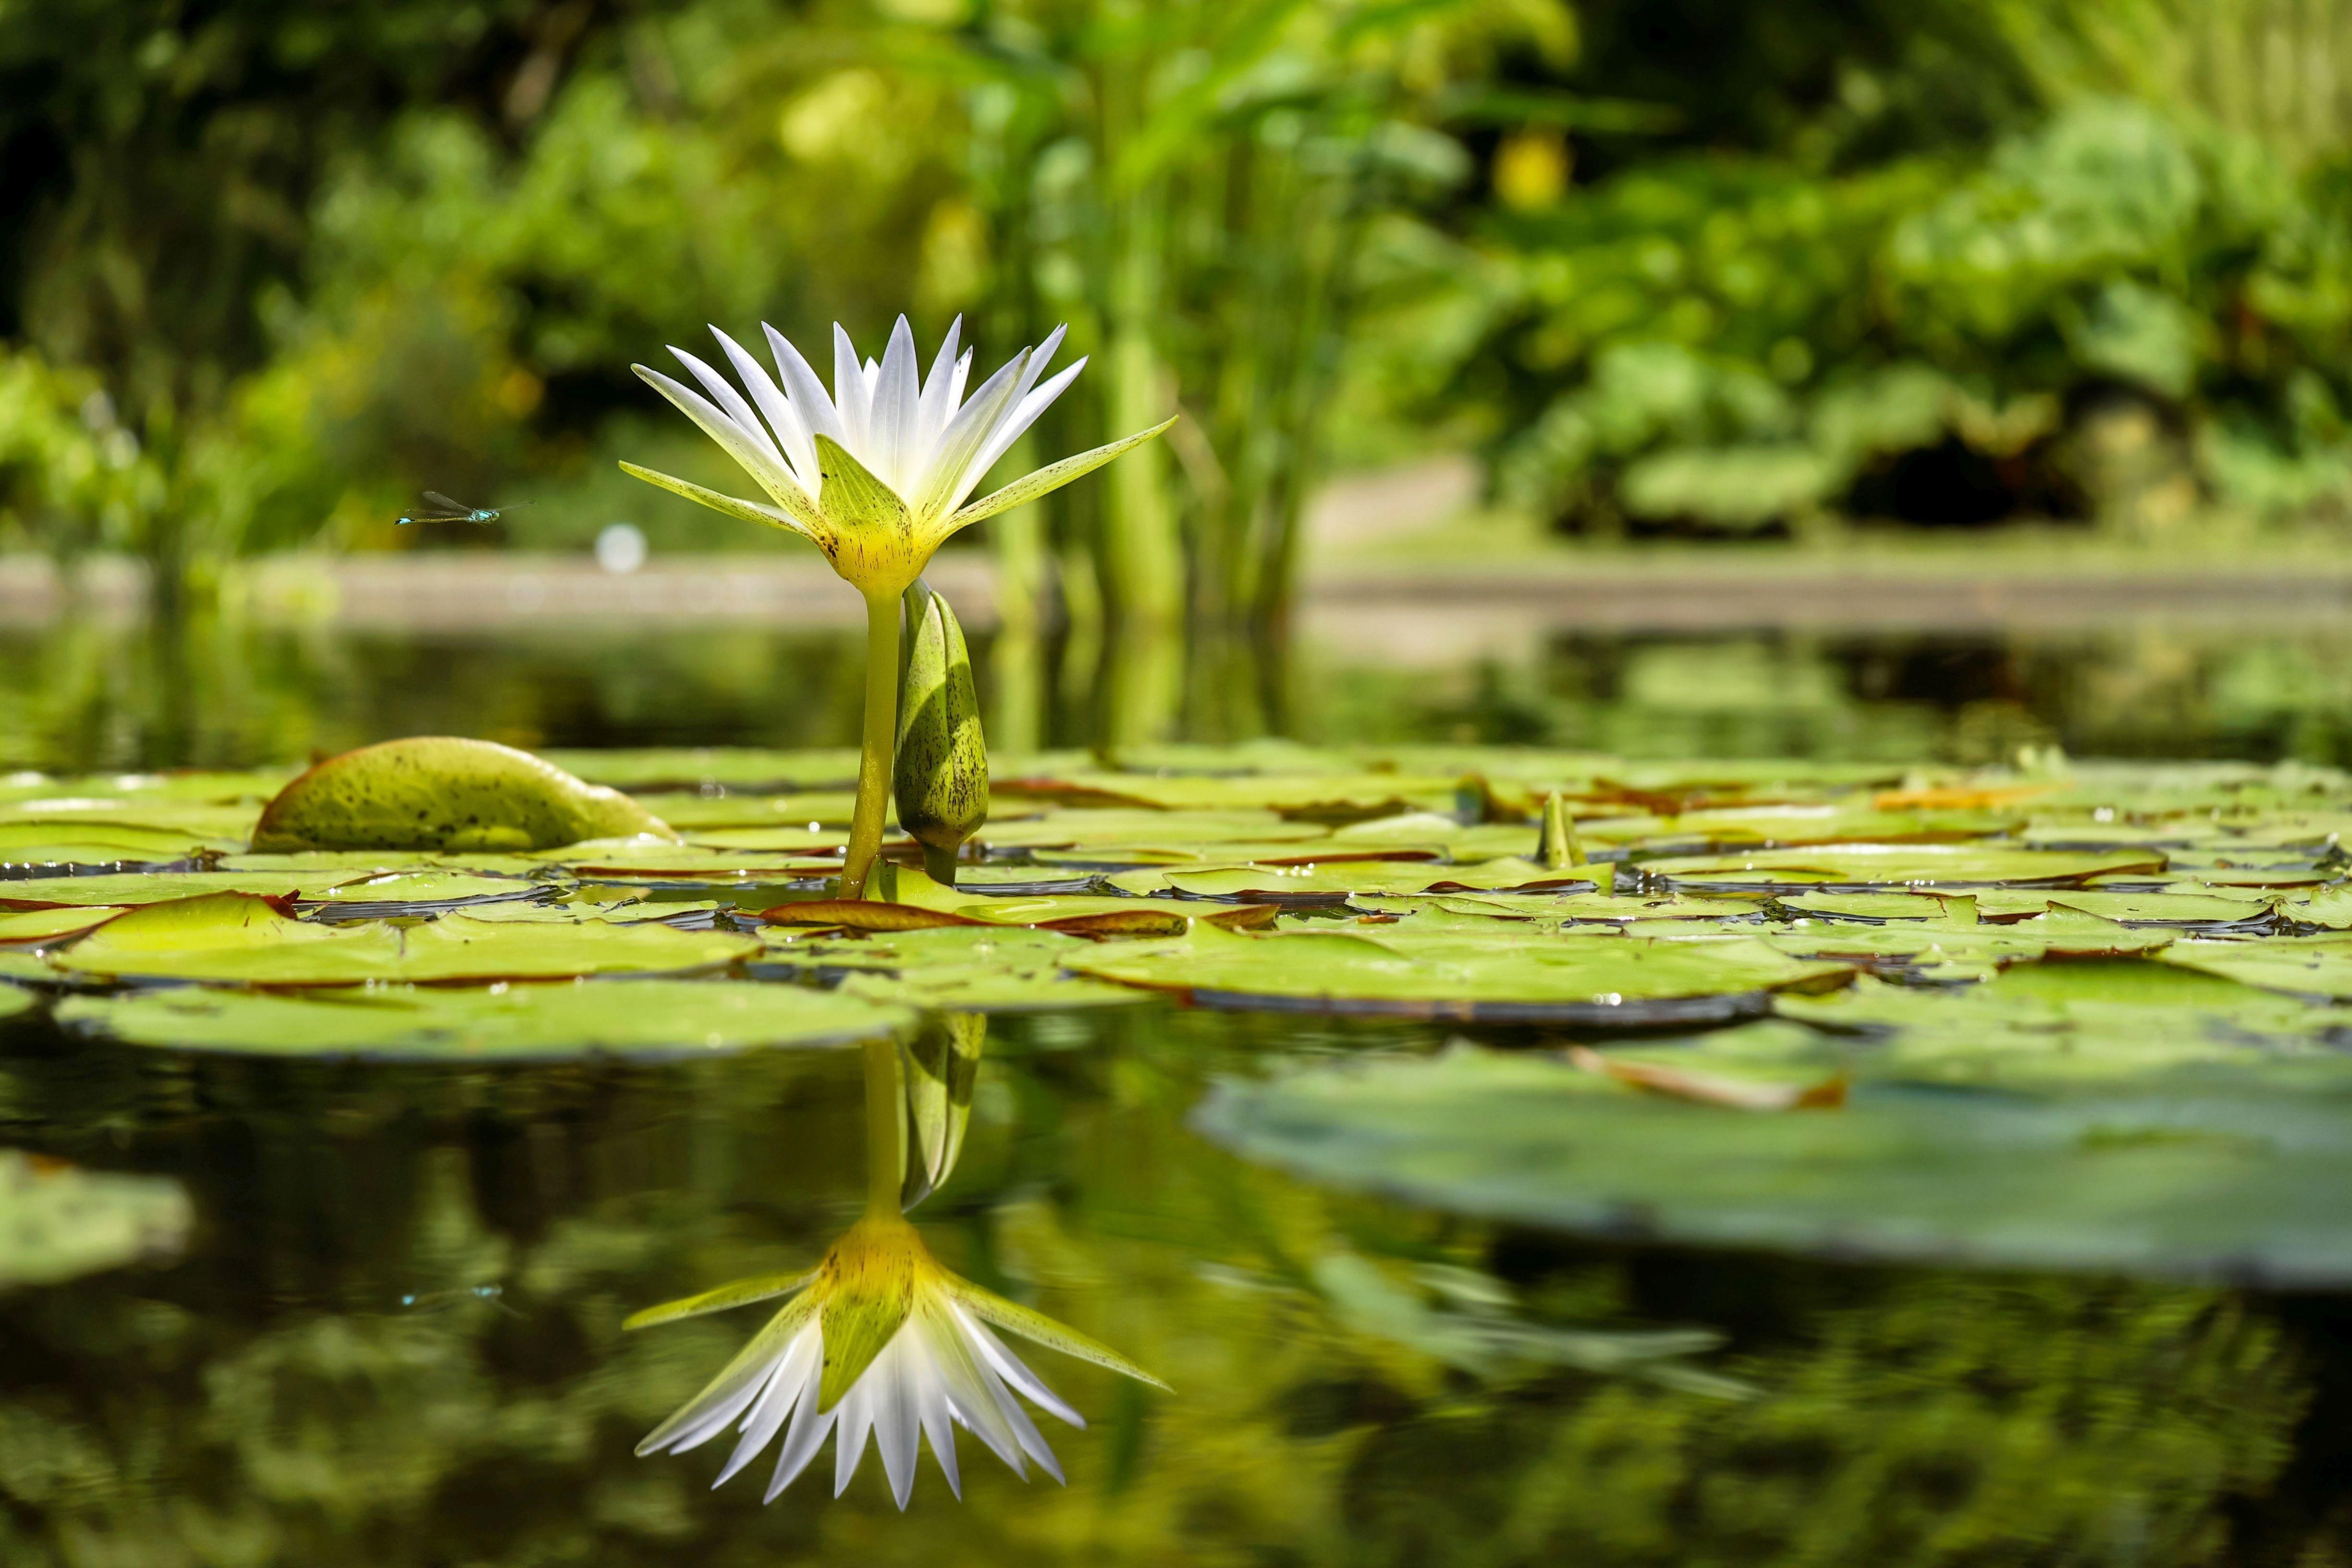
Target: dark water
[
  {"x": 84, "y": 695},
  {"x": 273, "y": 1397}
]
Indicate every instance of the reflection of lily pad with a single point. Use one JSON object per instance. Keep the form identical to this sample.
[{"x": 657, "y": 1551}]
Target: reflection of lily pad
[
  {"x": 59, "y": 1222},
  {"x": 233, "y": 938},
  {"x": 634, "y": 1017},
  {"x": 2242, "y": 1186},
  {"x": 1600, "y": 980}
]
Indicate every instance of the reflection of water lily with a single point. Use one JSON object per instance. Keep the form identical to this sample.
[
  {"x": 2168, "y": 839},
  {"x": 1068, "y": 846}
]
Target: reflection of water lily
[
  {"x": 876, "y": 476},
  {"x": 879, "y": 1339}
]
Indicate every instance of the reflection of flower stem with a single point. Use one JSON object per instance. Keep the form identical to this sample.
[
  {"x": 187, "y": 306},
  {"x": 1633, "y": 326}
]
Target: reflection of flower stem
[
  {"x": 880, "y": 742},
  {"x": 885, "y": 1128}
]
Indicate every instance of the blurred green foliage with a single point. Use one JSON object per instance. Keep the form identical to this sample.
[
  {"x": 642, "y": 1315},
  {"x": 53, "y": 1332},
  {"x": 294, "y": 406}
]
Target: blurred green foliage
[{"x": 274, "y": 268}]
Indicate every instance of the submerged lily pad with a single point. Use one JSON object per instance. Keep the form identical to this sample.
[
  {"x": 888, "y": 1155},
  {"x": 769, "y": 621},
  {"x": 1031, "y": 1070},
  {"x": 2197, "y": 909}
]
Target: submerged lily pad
[
  {"x": 59, "y": 1222},
  {"x": 617, "y": 1017},
  {"x": 2238, "y": 1186}
]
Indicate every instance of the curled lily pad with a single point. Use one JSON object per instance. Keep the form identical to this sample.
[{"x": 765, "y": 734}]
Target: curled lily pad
[
  {"x": 2244, "y": 1187},
  {"x": 59, "y": 1222},
  {"x": 238, "y": 939},
  {"x": 1600, "y": 980},
  {"x": 444, "y": 793},
  {"x": 630, "y": 1019}
]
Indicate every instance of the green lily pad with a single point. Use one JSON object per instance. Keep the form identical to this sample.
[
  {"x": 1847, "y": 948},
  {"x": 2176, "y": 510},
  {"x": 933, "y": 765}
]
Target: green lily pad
[
  {"x": 238, "y": 939},
  {"x": 1332, "y": 798},
  {"x": 1598, "y": 980},
  {"x": 2309, "y": 966},
  {"x": 726, "y": 767},
  {"x": 694, "y": 811},
  {"x": 628, "y": 1018},
  {"x": 33, "y": 926},
  {"x": 59, "y": 1222},
  {"x": 981, "y": 969},
  {"x": 102, "y": 844},
  {"x": 1333, "y": 882},
  {"x": 2239, "y": 1186},
  {"x": 1861, "y": 867}
]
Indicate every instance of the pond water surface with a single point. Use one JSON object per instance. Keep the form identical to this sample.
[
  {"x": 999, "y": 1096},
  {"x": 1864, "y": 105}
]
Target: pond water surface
[{"x": 394, "y": 1335}]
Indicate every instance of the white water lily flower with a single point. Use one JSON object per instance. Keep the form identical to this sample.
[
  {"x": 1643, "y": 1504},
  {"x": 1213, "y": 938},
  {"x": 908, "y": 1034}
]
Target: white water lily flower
[
  {"x": 880, "y": 1340},
  {"x": 877, "y": 473}
]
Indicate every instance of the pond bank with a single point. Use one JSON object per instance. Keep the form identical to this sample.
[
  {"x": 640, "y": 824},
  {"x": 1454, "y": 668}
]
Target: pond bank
[{"x": 1393, "y": 603}]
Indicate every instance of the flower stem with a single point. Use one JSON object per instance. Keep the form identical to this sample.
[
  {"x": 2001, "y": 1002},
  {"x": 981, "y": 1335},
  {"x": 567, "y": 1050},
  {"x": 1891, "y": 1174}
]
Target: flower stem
[
  {"x": 885, "y": 1128},
  {"x": 880, "y": 746}
]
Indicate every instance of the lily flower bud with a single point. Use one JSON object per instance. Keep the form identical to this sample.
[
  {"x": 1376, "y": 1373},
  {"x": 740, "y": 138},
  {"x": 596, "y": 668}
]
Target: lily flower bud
[{"x": 941, "y": 775}]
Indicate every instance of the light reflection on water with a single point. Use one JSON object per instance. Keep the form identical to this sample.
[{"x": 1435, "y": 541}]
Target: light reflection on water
[{"x": 396, "y": 1335}]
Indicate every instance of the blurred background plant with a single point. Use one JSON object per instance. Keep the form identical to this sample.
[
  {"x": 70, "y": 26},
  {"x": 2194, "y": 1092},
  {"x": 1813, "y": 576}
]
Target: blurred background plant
[{"x": 1687, "y": 268}]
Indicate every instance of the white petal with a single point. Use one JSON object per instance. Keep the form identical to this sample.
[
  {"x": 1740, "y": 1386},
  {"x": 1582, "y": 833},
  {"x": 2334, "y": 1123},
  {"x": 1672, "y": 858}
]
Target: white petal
[
  {"x": 1025, "y": 1433},
  {"x": 1010, "y": 430},
  {"x": 767, "y": 1416},
  {"x": 757, "y": 455},
  {"x": 896, "y": 407},
  {"x": 932, "y": 1406},
  {"x": 850, "y": 394},
  {"x": 897, "y": 1427},
  {"x": 853, "y": 1419},
  {"x": 808, "y": 394},
  {"x": 1009, "y": 1367},
  {"x": 807, "y": 1435},
  {"x": 792, "y": 431},
  {"x": 722, "y": 392},
  {"x": 937, "y": 403},
  {"x": 952, "y": 455}
]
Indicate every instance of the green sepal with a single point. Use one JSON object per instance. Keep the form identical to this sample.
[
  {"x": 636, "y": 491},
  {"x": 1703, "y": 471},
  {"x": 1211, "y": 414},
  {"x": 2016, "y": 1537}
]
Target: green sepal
[
  {"x": 755, "y": 1360},
  {"x": 738, "y": 1293},
  {"x": 1049, "y": 479},
  {"x": 748, "y": 510},
  {"x": 851, "y": 496},
  {"x": 1016, "y": 1319}
]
